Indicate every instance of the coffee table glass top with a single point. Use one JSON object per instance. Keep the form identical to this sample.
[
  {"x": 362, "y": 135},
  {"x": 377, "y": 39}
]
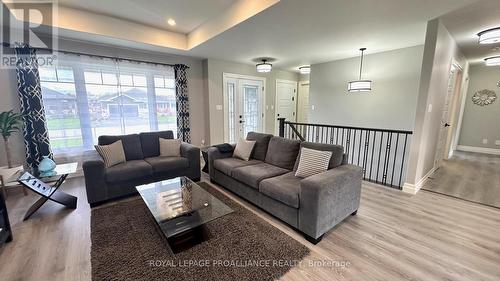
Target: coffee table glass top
[{"x": 179, "y": 205}]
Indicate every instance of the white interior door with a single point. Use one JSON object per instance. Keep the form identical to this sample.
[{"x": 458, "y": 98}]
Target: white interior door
[
  {"x": 286, "y": 101},
  {"x": 243, "y": 100},
  {"x": 445, "y": 116},
  {"x": 303, "y": 102}
]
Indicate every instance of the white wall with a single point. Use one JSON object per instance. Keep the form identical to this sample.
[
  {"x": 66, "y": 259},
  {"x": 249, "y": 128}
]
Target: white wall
[
  {"x": 481, "y": 122},
  {"x": 439, "y": 51},
  {"x": 9, "y": 100},
  {"x": 197, "y": 100},
  {"x": 214, "y": 71},
  {"x": 390, "y": 105}
]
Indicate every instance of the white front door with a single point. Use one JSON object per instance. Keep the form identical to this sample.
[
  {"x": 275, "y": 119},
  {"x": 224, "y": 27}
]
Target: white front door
[
  {"x": 286, "y": 101},
  {"x": 243, "y": 107}
]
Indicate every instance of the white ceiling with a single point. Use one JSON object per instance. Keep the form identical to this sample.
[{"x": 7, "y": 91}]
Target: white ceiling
[
  {"x": 465, "y": 23},
  {"x": 188, "y": 14},
  {"x": 298, "y": 32},
  {"x": 294, "y": 32}
]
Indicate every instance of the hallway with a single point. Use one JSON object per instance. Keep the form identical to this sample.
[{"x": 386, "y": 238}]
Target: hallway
[{"x": 471, "y": 176}]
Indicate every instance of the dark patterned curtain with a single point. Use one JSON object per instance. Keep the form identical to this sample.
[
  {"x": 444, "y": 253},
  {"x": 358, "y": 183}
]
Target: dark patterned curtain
[
  {"x": 36, "y": 137},
  {"x": 182, "y": 101}
]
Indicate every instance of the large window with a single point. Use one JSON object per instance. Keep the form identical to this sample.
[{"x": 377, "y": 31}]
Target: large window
[{"x": 87, "y": 97}]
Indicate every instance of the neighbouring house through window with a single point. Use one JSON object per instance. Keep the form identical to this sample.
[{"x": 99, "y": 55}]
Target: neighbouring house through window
[{"x": 85, "y": 97}]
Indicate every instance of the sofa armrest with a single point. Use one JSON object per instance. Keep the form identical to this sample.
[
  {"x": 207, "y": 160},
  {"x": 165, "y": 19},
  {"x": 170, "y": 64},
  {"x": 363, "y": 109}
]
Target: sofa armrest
[
  {"x": 214, "y": 154},
  {"x": 95, "y": 180},
  {"x": 328, "y": 198},
  {"x": 192, "y": 153}
]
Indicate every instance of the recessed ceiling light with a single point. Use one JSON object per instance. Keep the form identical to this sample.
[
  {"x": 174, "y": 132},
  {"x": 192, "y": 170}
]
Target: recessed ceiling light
[
  {"x": 305, "y": 69},
  {"x": 490, "y": 36},
  {"x": 171, "y": 22},
  {"x": 493, "y": 61}
]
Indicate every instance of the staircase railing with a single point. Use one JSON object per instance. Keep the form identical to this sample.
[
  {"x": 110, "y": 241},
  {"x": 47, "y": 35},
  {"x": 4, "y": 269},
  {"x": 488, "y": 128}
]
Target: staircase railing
[{"x": 382, "y": 153}]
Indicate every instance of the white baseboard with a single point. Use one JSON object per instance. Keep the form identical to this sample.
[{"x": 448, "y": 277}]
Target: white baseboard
[
  {"x": 414, "y": 188},
  {"x": 476, "y": 149}
]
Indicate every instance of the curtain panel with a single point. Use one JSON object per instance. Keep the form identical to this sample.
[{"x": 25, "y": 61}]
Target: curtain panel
[
  {"x": 182, "y": 101},
  {"x": 36, "y": 137}
]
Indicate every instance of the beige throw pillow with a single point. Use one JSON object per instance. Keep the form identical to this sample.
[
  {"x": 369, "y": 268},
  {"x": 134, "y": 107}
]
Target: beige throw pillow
[
  {"x": 170, "y": 147},
  {"x": 312, "y": 162},
  {"x": 112, "y": 154},
  {"x": 244, "y": 149}
]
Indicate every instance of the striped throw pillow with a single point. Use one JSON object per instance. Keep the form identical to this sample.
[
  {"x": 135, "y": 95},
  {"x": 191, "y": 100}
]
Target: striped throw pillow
[
  {"x": 312, "y": 162},
  {"x": 112, "y": 154}
]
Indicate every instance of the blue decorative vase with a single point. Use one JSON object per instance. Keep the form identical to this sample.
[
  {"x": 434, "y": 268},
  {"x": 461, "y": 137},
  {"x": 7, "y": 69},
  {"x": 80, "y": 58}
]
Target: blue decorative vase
[{"x": 46, "y": 167}]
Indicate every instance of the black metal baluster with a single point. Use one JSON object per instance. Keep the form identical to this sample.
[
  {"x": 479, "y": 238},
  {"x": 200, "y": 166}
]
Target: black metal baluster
[
  {"x": 365, "y": 152},
  {"x": 348, "y": 143},
  {"x": 373, "y": 152},
  {"x": 379, "y": 155},
  {"x": 359, "y": 146},
  {"x": 402, "y": 162},
  {"x": 387, "y": 158},
  {"x": 394, "y": 162},
  {"x": 342, "y": 139}
]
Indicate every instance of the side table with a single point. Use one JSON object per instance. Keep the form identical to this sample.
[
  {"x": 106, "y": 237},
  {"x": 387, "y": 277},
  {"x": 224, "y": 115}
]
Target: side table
[{"x": 37, "y": 183}]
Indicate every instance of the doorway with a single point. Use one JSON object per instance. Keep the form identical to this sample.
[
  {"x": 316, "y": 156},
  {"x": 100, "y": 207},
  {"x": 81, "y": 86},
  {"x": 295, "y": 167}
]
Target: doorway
[
  {"x": 243, "y": 106},
  {"x": 449, "y": 116},
  {"x": 303, "y": 102},
  {"x": 286, "y": 101}
]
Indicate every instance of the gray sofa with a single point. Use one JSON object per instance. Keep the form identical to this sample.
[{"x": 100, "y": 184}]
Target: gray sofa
[
  {"x": 144, "y": 165},
  {"x": 312, "y": 205}
]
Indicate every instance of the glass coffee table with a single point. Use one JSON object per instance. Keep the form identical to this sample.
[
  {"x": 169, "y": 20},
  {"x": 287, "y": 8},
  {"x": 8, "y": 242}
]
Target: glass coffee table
[{"x": 181, "y": 208}]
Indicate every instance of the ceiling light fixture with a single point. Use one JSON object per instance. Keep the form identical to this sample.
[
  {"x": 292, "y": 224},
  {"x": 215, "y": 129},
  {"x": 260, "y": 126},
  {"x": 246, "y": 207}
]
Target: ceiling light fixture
[
  {"x": 360, "y": 85},
  {"x": 492, "y": 61},
  {"x": 171, "y": 22},
  {"x": 305, "y": 69},
  {"x": 264, "y": 66},
  {"x": 490, "y": 36}
]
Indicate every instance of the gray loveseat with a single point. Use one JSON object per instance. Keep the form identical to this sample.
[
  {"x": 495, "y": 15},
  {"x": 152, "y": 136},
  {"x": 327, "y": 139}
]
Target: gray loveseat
[
  {"x": 144, "y": 165},
  {"x": 312, "y": 205}
]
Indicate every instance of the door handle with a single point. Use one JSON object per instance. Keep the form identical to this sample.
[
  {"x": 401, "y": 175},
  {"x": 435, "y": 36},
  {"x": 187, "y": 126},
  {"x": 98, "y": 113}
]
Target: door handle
[
  {"x": 241, "y": 121},
  {"x": 447, "y": 125}
]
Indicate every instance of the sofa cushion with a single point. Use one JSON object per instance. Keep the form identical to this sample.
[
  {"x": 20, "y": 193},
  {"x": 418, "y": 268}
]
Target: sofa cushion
[
  {"x": 112, "y": 154},
  {"x": 151, "y": 142},
  {"x": 170, "y": 147},
  {"x": 337, "y": 153},
  {"x": 227, "y": 165},
  {"x": 167, "y": 163},
  {"x": 312, "y": 162},
  {"x": 129, "y": 170},
  {"x": 261, "y": 144},
  {"x": 243, "y": 149},
  {"x": 282, "y": 152},
  {"x": 252, "y": 175},
  {"x": 284, "y": 188},
  {"x": 131, "y": 145}
]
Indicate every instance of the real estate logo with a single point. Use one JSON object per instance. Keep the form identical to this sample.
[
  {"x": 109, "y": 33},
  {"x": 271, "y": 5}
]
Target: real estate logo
[{"x": 28, "y": 23}]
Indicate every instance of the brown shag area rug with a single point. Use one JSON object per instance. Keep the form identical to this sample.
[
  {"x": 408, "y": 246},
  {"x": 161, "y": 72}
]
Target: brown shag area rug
[{"x": 127, "y": 246}]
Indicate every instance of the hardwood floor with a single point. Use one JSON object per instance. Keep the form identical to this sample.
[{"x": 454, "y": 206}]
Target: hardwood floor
[
  {"x": 469, "y": 176},
  {"x": 393, "y": 237}
]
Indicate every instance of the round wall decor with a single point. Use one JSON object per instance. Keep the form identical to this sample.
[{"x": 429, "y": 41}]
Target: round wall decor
[{"x": 484, "y": 97}]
